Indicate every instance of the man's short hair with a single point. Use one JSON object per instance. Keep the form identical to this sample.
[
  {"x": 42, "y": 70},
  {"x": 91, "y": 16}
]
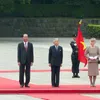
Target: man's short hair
[
  {"x": 56, "y": 39},
  {"x": 25, "y": 35}
]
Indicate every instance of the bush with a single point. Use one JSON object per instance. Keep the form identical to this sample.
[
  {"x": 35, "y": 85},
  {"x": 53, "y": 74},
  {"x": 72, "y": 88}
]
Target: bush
[
  {"x": 93, "y": 30},
  {"x": 50, "y": 10}
]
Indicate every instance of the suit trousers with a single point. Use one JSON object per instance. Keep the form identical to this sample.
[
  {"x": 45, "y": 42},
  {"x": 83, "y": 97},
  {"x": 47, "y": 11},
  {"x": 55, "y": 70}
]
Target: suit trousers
[
  {"x": 75, "y": 64},
  {"x": 24, "y": 69},
  {"x": 55, "y": 73}
]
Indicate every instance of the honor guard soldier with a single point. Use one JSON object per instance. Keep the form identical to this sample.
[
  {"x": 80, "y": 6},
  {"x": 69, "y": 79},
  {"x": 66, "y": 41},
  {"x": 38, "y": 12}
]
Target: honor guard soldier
[{"x": 74, "y": 58}]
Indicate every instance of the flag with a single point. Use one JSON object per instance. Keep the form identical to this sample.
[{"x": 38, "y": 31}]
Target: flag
[{"x": 81, "y": 45}]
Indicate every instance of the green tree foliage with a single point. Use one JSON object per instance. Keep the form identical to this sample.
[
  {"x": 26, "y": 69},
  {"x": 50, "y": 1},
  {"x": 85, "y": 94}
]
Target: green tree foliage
[
  {"x": 69, "y": 2},
  {"x": 43, "y": 1},
  {"x": 75, "y": 8},
  {"x": 6, "y": 6},
  {"x": 22, "y": 1},
  {"x": 97, "y": 2}
]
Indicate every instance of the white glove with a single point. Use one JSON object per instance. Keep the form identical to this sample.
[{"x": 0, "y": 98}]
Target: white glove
[{"x": 75, "y": 44}]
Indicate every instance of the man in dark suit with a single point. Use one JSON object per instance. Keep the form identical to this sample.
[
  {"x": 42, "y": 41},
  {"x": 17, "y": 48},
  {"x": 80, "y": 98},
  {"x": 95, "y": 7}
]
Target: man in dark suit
[
  {"x": 25, "y": 60},
  {"x": 55, "y": 62},
  {"x": 74, "y": 58}
]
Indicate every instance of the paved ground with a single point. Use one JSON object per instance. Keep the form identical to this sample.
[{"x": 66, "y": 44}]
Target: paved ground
[
  {"x": 17, "y": 97},
  {"x": 8, "y": 61}
]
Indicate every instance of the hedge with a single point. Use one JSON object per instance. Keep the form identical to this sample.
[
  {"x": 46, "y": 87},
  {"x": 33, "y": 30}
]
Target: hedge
[
  {"x": 93, "y": 30},
  {"x": 53, "y": 10}
]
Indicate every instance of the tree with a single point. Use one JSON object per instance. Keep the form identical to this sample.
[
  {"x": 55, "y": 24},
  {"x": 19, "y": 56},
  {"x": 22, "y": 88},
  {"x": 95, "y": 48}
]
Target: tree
[
  {"x": 6, "y": 6},
  {"x": 71, "y": 2},
  {"x": 22, "y": 1},
  {"x": 28, "y": 1},
  {"x": 95, "y": 2}
]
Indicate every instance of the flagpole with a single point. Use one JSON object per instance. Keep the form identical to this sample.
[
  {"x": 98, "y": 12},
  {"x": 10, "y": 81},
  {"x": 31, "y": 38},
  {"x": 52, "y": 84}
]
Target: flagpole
[{"x": 80, "y": 22}]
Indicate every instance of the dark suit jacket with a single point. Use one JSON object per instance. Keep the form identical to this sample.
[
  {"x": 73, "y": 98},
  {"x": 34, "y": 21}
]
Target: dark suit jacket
[
  {"x": 55, "y": 56},
  {"x": 24, "y": 55}
]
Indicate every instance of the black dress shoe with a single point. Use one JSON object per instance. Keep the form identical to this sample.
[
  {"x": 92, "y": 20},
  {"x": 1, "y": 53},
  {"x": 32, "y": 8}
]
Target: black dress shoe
[
  {"x": 53, "y": 85},
  {"x": 27, "y": 86},
  {"x": 57, "y": 86},
  {"x": 21, "y": 86},
  {"x": 77, "y": 76},
  {"x": 73, "y": 76}
]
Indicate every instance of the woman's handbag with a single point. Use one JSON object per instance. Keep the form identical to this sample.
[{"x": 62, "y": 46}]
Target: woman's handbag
[{"x": 98, "y": 61}]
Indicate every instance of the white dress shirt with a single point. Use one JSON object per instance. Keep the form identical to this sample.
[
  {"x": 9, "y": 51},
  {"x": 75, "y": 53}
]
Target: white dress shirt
[
  {"x": 56, "y": 47},
  {"x": 25, "y": 44}
]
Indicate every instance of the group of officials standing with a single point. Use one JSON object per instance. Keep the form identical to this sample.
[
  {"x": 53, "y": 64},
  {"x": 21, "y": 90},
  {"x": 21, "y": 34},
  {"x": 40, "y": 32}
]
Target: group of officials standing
[{"x": 55, "y": 59}]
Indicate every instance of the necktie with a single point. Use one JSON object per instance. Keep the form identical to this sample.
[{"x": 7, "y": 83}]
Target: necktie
[{"x": 26, "y": 46}]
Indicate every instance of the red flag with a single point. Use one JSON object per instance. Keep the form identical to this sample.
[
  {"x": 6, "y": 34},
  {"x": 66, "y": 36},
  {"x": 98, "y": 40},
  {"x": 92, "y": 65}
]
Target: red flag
[{"x": 81, "y": 45}]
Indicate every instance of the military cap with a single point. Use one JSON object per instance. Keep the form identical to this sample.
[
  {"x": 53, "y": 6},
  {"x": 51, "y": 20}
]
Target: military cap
[{"x": 74, "y": 35}]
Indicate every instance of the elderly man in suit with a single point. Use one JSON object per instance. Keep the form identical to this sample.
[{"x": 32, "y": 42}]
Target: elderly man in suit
[
  {"x": 55, "y": 62},
  {"x": 25, "y": 60}
]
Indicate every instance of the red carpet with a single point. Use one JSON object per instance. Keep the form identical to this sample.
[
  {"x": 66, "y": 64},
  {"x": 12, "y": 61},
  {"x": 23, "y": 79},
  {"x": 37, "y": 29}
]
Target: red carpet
[
  {"x": 11, "y": 86},
  {"x": 62, "y": 70},
  {"x": 62, "y": 97},
  {"x": 46, "y": 92}
]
